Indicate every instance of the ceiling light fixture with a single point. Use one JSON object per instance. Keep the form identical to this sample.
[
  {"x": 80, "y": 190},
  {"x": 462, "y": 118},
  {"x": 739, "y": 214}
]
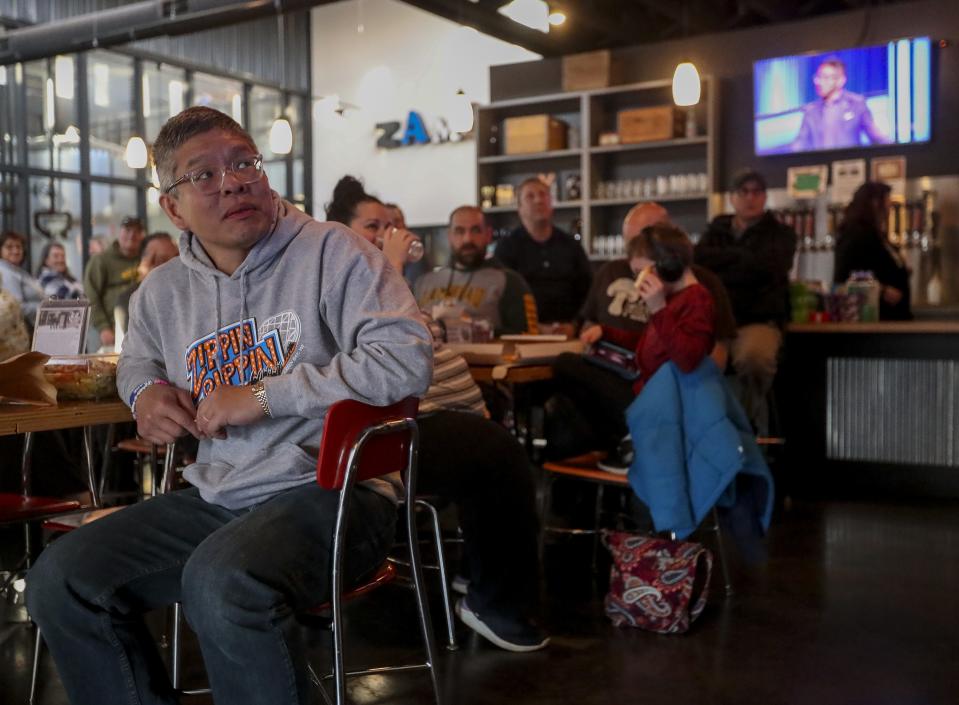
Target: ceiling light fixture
[
  {"x": 557, "y": 17},
  {"x": 530, "y": 13},
  {"x": 687, "y": 88},
  {"x": 281, "y": 133}
]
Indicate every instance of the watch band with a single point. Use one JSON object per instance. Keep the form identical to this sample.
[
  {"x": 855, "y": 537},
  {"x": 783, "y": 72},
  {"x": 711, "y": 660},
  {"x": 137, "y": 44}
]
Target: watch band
[{"x": 259, "y": 391}]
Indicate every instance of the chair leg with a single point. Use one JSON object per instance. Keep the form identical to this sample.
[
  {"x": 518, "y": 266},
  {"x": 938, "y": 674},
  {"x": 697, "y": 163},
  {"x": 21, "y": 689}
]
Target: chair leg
[
  {"x": 37, "y": 646},
  {"x": 596, "y": 527},
  {"x": 416, "y": 568},
  {"x": 544, "y": 510},
  {"x": 175, "y": 648},
  {"x": 441, "y": 564},
  {"x": 154, "y": 470},
  {"x": 727, "y": 583}
]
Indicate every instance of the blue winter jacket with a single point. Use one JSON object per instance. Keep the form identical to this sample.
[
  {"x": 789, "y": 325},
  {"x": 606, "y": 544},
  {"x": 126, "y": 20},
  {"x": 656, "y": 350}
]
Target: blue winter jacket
[{"x": 694, "y": 449}]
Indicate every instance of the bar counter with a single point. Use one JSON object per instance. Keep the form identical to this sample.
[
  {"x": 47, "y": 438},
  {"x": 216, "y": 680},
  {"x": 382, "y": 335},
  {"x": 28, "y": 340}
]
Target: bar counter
[{"x": 872, "y": 407}]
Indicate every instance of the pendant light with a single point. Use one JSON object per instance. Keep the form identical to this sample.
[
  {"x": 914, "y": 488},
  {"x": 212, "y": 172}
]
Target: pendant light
[
  {"x": 136, "y": 153},
  {"x": 687, "y": 88},
  {"x": 461, "y": 113},
  {"x": 281, "y": 136},
  {"x": 281, "y": 133}
]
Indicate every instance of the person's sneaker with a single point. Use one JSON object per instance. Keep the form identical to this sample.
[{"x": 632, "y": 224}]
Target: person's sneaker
[
  {"x": 619, "y": 461},
  {"x": 509, "y": 634},
  {"x": 460, "y": 584}
]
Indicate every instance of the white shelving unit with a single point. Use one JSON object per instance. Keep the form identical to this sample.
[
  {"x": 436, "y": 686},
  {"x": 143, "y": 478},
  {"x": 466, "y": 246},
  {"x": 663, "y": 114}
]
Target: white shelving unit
[{"x": 590, "y": 113}]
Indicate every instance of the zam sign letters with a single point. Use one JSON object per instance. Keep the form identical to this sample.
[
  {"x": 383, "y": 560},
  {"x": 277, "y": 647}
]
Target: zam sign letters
[{"x": 417, "y": 131}]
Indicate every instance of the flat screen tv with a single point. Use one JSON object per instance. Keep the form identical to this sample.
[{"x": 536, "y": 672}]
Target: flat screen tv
[{"x": 843, "y": 99}]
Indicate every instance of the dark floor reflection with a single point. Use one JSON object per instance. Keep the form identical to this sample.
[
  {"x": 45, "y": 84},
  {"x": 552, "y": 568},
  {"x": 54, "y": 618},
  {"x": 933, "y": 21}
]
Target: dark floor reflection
[{"x": 857, "y": 604}]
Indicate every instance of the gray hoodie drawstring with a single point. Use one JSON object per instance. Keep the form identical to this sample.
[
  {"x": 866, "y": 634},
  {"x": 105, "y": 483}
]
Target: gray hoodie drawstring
[
  {"x": 242, "y": 319},
  {"x": 216, "y": 334}
]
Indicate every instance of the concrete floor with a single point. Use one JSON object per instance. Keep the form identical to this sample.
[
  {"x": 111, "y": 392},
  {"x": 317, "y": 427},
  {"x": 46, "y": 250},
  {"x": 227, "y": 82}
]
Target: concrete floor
[{"x": 856, "y": 604}]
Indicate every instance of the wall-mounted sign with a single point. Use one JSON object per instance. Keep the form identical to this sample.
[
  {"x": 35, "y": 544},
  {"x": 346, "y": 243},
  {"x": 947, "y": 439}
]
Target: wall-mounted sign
[
  {"x": 847, "y": 176},
  {"x": 806, "y": 181},
  {"x": 416, "y": 131},
  {"x": 891, "y": 171}
]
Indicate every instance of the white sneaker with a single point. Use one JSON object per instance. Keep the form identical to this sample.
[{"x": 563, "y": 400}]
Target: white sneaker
[{"x": 509, "y": 634}]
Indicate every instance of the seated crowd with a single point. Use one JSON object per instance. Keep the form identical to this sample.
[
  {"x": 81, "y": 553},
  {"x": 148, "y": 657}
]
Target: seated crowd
[{"x": 247, "y": 543}]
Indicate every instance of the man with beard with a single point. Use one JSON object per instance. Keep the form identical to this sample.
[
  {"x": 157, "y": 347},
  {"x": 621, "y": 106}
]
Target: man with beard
[{"x": 474, "y": 285}]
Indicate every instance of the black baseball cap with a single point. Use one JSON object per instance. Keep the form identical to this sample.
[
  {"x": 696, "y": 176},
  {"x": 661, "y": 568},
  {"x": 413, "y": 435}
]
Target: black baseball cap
[
  {"x": 747, "y": 176},
  {"x": 131, "y": 221}
]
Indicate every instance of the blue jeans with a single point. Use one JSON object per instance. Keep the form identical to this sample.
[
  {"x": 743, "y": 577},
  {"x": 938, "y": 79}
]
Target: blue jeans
[{"x": 241, "y": 576}]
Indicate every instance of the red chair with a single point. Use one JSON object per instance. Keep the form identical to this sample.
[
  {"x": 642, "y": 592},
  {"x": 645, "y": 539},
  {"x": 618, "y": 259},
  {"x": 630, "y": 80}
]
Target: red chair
[
  {"x": 361, "y": 442},
  {"x": 22, "y": 509}
]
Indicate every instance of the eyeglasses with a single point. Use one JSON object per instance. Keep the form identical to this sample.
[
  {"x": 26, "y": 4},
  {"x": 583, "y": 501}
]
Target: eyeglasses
[{"x": 246, "y": 170}]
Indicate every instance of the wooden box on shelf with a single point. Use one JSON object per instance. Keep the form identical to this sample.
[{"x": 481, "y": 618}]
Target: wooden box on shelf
[
  {"x": 592, "y": 69},
  {"x": 663, "y": 122},
  {"x": 534, "y": 133}
]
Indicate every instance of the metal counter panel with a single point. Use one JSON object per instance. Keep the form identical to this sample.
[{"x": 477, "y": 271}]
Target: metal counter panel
[{"x": 892, "y": 411}]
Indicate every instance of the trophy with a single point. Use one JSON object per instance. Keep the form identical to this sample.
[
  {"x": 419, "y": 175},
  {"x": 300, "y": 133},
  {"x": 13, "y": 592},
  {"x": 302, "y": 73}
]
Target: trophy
[{"x": 487, "y": 192}]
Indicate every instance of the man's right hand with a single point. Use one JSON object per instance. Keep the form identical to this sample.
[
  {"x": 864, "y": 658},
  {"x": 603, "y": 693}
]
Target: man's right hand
[
  {"x": 164, "y": 413},
  {"x": 107, "y": 338}
]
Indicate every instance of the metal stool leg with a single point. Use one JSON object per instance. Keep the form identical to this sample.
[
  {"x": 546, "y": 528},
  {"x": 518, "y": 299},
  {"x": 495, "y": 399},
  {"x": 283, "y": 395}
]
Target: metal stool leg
[
  {"x": 416, "y": 568},
  {"x": 175, "y": 650},
  {"x": 545, "y": 502},
  {"x": 727, "y": 583},
  {"x": 441, "y": 563},
  {"x": 596, "y": 526},
  {"x": 154, "y": 470},
  {"x": 37, "y": 646},
  {"x": 169, "y": 469}
]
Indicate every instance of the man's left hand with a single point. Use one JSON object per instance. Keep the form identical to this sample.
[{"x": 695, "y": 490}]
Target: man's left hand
[{"x": 227, "y": 406}]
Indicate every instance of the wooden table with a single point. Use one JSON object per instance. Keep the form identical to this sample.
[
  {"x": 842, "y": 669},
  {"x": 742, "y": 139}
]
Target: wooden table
[
  {"x": 517, "y": 374},
  {"x": 20, "y": 418}
]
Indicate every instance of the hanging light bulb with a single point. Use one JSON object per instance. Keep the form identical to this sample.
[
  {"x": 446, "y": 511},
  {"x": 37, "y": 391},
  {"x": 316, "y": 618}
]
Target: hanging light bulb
[
  {"x": 530, "y": 13},
  {"x": 686, "y": 85},
  {"x": 461, "y": 113},
  {"x": 136, "y": 153},
  {"x": 281, "y": 136}
]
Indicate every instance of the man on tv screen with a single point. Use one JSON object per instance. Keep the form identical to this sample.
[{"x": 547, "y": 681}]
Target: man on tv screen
[{"x": 839, "y": 117}]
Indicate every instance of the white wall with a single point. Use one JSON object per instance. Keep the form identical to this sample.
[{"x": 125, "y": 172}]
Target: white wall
[{"x": 404, "y": 59}]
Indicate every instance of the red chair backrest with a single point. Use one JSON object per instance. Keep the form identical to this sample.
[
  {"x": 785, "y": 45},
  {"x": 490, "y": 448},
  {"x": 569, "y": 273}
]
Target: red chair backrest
[{"x": 381, "y": 455}]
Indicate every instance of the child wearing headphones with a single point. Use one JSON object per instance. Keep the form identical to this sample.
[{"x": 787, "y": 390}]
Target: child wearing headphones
[{"x": 682, "y": 317}]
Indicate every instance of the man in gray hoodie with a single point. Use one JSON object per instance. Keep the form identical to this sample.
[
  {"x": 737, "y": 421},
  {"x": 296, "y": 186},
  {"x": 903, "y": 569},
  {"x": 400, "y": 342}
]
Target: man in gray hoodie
[{"x": 244, "y": 341}]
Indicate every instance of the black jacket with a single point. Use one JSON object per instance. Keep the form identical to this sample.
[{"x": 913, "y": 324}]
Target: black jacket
[
  {"x": 754, "y": 267},
  {"x": 861, "y": 248},
  {"x": 557, "y": 271}
]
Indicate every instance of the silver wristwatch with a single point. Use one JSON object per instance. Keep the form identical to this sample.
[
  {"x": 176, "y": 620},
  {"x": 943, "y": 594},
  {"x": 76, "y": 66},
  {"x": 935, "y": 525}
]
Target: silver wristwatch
[{"x": 259, "y": 391}]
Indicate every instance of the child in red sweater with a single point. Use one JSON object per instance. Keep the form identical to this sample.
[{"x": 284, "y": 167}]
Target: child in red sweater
[{"x": 681, "y": 325}]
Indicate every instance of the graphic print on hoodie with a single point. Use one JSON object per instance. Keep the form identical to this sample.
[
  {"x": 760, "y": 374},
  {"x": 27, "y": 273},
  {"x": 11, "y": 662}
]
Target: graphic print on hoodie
[
  {"x": 241, "y": 353},
  {"x": 313, "y": 309}
]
